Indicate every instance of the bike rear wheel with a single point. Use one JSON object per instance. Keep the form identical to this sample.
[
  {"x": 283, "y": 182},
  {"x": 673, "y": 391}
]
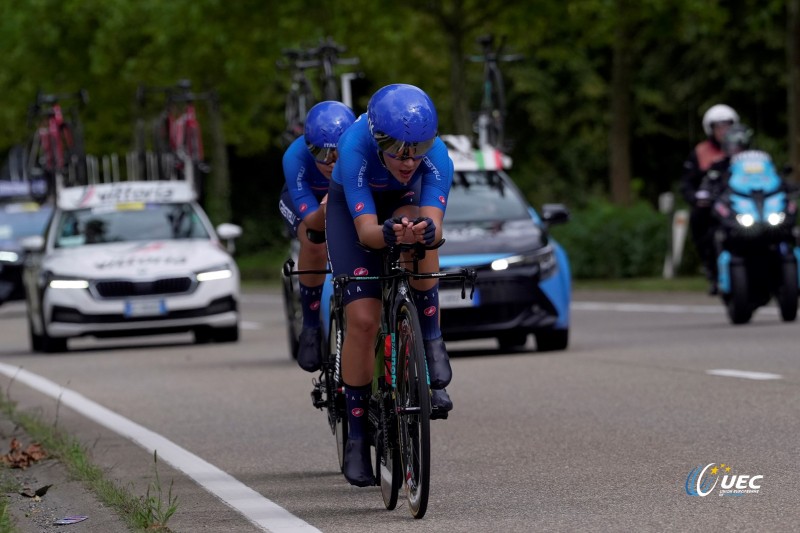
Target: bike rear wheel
[
  {"x": 413, "y": 408},
  {"x": 337, "y": 412}
]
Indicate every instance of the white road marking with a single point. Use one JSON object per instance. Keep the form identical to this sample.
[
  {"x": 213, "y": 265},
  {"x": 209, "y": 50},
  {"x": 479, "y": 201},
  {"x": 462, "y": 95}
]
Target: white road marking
[
  {"x": 744, "y": 374},
  {"x": 259, "y": 510},
  {"x": 658, "y": 308},
  {"x": 252, "y": 326}
]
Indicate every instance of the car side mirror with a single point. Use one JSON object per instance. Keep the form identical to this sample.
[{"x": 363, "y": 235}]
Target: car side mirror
[
  {"x": 32, "y": 244},
  {"x": 228, "y": 233},
  {"x": 553, "y": 214}
]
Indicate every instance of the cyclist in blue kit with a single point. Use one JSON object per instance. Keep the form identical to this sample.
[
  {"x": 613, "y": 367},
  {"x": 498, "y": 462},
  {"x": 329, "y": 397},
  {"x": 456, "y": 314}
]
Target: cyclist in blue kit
[
  {"x": 307, "y": 167},
  {"x": 390, "y": 185}
]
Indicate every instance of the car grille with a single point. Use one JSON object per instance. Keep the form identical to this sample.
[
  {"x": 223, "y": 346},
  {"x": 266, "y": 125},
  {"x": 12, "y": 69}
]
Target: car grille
[{"x": 124, "y": 289}]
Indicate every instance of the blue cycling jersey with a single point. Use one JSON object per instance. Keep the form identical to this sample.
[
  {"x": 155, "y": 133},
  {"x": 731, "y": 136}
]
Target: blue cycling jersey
[
  {"x": 305, "y": 183},
  {"x": 361, "y": 173}
]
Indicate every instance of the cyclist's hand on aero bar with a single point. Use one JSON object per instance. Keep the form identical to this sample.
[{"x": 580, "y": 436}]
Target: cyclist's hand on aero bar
[
  {"x": 425, "y": 228},
  {"x": 396, "y": 229}
]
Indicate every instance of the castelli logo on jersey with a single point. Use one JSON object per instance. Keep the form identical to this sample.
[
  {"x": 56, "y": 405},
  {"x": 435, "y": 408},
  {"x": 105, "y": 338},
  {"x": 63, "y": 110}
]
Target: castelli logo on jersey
[
  {"x": 357, "y": 412},
  {"x": 441, "y": 199},
  {"x": 430, "y": 311},
  {"x": 359, "y": 207},
  {"x": 314, "y": 305},
  {"x": 360, "y": 271},
  {"x": 409, "y": 193},
  {"x": 303, "y": 208}
]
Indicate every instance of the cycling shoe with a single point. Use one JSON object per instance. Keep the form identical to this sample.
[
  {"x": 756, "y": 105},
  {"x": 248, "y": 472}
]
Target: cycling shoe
[
  {"x": 357, "y": 467},
  {"x": 441, "y": 404},
  {"x": 309, "y": 350},
  {"x": 438, "y": 363}
]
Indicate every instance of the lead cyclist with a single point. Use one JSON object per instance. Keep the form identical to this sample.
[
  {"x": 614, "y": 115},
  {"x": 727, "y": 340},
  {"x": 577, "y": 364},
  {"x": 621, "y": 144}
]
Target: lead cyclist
[{"x": 390, "y": 185}]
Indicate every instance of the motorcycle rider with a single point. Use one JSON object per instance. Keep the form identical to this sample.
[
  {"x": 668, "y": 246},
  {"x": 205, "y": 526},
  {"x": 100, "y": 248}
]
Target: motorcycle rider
[
  {"x": 716, "y": 122},
  {"x": 307, "y": 166}
]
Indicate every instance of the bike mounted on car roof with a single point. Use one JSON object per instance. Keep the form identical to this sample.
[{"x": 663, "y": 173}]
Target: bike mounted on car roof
[
  {"x": 399, "y": 409},
  {"x": 173, "y": 149},
  {"x": 55, "y": 152},
  {"x": 490, "y": 123},
  {"x": 300, "y": 98}
]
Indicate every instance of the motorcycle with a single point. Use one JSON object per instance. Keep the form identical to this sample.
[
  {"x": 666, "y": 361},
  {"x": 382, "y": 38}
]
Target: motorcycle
[{"x": 756, "y": 240}]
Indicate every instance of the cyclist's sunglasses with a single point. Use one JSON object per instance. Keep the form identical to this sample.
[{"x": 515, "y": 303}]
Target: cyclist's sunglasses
[
  {"x": 401, "y": 150},
  {"x": 326, "y": 156}
]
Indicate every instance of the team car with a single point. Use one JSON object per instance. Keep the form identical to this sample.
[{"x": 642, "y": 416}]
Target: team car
[
  {"x": 523, "y": 275},
  {"x": 130, "y": 258},
  {"x": 20, "y": 217}
]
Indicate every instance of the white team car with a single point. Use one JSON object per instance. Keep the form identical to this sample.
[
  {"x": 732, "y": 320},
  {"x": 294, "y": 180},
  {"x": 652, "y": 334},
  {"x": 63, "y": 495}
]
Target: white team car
[{"x": 130, "y": 258}]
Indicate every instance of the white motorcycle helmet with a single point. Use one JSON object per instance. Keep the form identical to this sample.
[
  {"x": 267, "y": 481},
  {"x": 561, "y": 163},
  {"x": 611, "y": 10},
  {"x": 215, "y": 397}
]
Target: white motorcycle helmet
[{"x": 719, "y": 113}]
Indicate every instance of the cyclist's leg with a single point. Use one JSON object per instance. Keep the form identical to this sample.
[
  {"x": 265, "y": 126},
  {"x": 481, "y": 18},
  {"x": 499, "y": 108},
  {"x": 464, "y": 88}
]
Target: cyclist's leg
[
  {"x": 362, "y": 312},
  {"x": 426, "y": 298}
]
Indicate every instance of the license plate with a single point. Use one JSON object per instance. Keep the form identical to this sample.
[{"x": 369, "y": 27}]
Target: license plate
[
  {"x": 451, "y": 299},
  {"x": 135, "y": 308}
]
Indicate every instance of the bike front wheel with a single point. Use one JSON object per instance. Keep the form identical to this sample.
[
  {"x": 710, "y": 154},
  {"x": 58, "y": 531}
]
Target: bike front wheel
[{"x": 413, "y": 407}]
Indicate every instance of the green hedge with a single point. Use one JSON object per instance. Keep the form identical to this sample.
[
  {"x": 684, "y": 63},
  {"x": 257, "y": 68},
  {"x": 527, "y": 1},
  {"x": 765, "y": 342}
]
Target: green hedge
[{"x": 603, "y": 240}]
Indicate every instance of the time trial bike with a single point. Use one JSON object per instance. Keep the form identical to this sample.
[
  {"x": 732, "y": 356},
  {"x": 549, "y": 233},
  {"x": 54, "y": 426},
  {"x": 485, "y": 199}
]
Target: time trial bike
[{"x": 399, "y": 411}]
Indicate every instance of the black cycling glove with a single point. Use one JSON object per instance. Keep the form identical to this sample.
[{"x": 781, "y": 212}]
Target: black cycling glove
[
  {"x": 389, "y": 236},
  {"x": 430, "y": 230}
]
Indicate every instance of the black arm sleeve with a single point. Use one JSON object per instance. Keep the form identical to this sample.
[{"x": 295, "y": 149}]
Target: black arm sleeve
[{"x": 691, "y": 178}]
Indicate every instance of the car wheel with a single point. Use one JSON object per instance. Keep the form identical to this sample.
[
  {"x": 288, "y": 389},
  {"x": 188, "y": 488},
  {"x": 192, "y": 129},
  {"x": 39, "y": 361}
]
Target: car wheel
[
  {"x": 202, "y": 335},
  {"x": 552, "y": 340},
  {"x": 230, "y": 334},
  {"x": 513, "y": 340}
]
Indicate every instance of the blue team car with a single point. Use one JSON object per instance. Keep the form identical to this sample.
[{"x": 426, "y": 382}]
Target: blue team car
[{"x": 524, "y": 282}]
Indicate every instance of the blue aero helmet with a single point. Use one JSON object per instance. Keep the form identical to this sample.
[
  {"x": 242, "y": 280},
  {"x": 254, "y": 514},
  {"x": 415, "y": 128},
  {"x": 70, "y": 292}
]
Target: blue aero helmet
[
  {"x": 325, "y": 123},
  {"x": 403, "y": 121}
]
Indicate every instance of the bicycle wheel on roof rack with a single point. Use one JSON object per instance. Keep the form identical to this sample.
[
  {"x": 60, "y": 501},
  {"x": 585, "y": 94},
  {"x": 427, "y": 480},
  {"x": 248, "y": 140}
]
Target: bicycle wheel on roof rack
[
  {"x": 413, "y": 407},
  {"x": 194, "y": 148},
  {"x": 74, "y": 171}
]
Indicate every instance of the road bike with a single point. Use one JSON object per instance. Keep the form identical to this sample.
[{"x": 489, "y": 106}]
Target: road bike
[
  {"x": 177, "y": 138},
  {"x": 328, "y": 56},
  {"x": 399, "y": 408},
  {"x": 56, "y": 149},
  {"x": 490, "y": 125},
  {"x": 300, "y": 97}
]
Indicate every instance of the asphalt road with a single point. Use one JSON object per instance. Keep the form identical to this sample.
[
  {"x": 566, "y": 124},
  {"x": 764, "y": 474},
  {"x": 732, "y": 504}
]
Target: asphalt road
[{"x": 600, "y": 437}]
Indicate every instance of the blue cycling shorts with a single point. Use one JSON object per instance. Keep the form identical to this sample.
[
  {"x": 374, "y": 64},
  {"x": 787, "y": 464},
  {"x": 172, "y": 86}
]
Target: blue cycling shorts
[
  {"x": 289, "y": 213},
  {"x": 345, "y": 254}
]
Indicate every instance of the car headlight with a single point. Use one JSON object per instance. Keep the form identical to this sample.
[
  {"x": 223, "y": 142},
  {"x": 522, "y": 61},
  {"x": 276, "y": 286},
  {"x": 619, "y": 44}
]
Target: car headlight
[
  {"x": 9, "y": 257},
  {"x": 546, "y": 260},
  {"x": 61, "y": 282},
  {"x": 212, "y": 274}
]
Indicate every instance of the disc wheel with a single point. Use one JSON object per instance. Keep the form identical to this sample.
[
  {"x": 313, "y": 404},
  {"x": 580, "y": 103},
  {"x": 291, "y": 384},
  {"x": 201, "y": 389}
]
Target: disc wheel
[
  {"x": 413, "y": 408},
  {"x": 337, "y": 412}
]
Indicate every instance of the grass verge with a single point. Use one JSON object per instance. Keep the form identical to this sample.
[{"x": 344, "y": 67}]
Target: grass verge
[{"x": 150, "y": 512}]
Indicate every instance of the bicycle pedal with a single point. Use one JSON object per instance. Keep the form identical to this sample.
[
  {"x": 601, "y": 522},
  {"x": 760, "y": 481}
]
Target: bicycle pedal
[{"x": 316, "y": 397}]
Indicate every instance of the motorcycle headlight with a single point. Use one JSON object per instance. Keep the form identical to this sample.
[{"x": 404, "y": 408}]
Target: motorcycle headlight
[
  {"x": 746, "y": 220},
  {"x": 776, "y": 219},
  {"x": 212, "y": 274}
]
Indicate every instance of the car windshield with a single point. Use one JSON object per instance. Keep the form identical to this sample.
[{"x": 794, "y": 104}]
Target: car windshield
[
  {"x": 23, "y": 220},
  {"x": 129, "y": 222},
  {"x": 483, "y": 196}
]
